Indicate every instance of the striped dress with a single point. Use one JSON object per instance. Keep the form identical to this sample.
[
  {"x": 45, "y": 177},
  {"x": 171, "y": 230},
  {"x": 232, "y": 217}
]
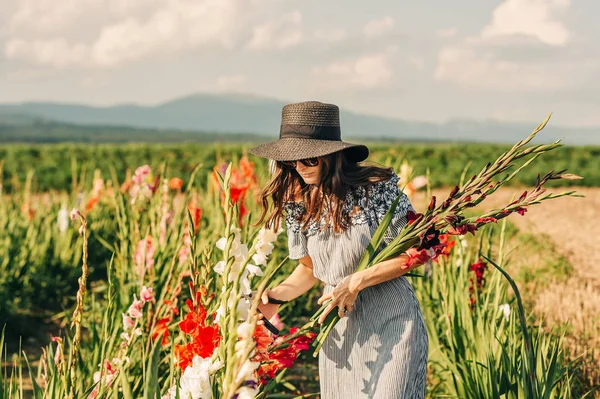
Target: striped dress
[{"x": 379, "y": 349}]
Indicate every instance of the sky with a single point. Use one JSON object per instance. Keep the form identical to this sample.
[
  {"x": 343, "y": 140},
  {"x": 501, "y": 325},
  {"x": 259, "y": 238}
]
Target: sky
[{"x": 511, "y": 60}]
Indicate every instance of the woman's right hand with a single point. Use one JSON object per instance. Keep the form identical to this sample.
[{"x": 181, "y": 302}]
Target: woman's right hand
[{"x": 267, "y": 309}]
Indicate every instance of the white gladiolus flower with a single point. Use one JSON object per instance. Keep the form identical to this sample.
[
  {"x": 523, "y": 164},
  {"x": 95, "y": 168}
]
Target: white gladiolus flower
[
  {"x": 247, "y": 370},
  {"x": 63, "y": 219},
  {"x": 505, "y": 308},
  {"x": 418, "y": 182},
  {"x": 243, "y": 309},
  {"x": 247, "y": 392},
  {"x": 245, "y": 330},
  {"x": 195, "y": 381}
]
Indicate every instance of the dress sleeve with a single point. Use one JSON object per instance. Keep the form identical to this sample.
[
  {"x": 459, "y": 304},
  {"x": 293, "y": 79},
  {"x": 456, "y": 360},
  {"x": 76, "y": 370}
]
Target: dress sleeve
[
  {"x": 383, "y": 195},
  {"x": 296, "y": 237}
]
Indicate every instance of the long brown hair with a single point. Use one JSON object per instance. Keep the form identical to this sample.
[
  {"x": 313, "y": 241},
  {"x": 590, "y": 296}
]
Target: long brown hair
[{"x": 338, "y": 175}]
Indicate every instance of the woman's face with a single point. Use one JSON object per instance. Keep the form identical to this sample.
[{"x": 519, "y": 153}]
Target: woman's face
[{"x": 310, "y": 174}]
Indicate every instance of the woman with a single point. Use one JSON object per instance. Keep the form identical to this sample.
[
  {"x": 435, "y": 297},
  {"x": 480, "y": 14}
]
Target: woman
[{"x": 332, "y": 206}]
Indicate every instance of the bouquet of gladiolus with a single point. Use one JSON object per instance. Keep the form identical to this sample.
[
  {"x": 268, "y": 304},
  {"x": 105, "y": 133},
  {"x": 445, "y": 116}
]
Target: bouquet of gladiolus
[
  {"x": 228, "y": 353},
  {"x": 420, "y": 238}
]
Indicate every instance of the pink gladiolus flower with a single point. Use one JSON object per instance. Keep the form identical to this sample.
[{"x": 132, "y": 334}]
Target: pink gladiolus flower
[
  {"x": 75, "y": 214},
  {"x": 147, "y": 294},
  {"x": 276, "y": 321},
  {"x": 127, "y": 322},
  {"x": 135, "y": 310},
  {"x": 141, "y": 174},
  {"x": 144, "y": 255}
]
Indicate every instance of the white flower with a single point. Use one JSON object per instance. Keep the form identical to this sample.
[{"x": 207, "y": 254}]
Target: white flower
[
  {"x": 247, "y": 370},
  {"x": 245, "y": 330},
  {"x": 63, "y": 219},
  {"x": 418, "y": 182},
  {"x": 254, "y": 270},
  {"x": 219, "y": 267},
  {"x": 505, "y": 308},
  {"x": 195, "y": 381},
  {"x": 221, "y": 243},
  {"x": 247, "y": 392},
  {"x": 243, "y": 309},
  {"x": 264, "y": 245}
]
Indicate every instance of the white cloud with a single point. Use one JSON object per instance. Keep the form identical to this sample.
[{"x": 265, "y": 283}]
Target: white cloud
[
  {"x": 533, "y": 18},
  {"x": 231, "y": 81},
  {"x": 329, "y": 35},
  {"x": 479, "y": 62},
  {"x": 416, "y": 62},
  {"x": 378, "y": 27},
  {"x": 170, "y": 26},
  {"x": 478, "y": 68},
  {"x": 446, "y": 33},
  {"x": 280, "y": 34},
  {"x": 53, "y": 52},
  {"x": 367, "y": 72}
]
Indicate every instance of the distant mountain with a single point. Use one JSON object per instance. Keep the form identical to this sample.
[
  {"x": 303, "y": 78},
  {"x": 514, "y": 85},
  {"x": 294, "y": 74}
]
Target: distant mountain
[{"x": 244, "y": 114}]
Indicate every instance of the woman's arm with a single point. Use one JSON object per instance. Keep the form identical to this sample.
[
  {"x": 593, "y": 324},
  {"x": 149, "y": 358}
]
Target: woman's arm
[
  {"x": 345, "y": 293},
  {"x": 381, "y": 272},
  {"x": 301, "y": 280},
  {"x": 296, "y": 284}
]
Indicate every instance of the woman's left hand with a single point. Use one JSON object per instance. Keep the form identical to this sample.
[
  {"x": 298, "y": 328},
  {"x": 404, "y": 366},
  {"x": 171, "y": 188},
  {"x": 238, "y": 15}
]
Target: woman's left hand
[{"x": 343, "y": 296}]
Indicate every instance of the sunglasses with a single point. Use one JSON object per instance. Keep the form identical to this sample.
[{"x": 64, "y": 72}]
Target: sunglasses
[{"x": 305, "y": 162}]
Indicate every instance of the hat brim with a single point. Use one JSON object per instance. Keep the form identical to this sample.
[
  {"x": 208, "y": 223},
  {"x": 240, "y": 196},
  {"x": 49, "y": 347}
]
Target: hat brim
[{"x": 292, "y": 148}]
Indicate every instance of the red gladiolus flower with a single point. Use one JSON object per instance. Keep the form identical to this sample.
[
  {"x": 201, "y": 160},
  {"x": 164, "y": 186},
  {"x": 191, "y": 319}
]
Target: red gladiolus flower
[
  {"x": 205, "y": 339},
  {"x": 412, "y": 216},
  {"x": 162, "y": 328},
  {"x": 521, "y": 210},
  {"x": 416, "y": 257},
  {"x": 479, "y": 269},
  {"x": 285, "y": 357},
  {"x": 463, "y": 229},
  {"x": 194, "y": 319},
  {"x": 175, "y": 183},
  {"x": 445, "y": 246},
  {"x": 262, "y": 338},
  {"x": 486, "y": 220}
]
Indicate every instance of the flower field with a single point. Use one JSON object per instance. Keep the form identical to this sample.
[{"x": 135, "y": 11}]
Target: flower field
[{"x": 148, "y": 281}]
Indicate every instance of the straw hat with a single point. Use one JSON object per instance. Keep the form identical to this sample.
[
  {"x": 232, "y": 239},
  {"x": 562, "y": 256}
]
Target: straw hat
[{"x": 309, "y": 129}]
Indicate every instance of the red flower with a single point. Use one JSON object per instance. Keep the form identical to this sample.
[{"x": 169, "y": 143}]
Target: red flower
[
  {"x": 162, "y": 328},
  {"x": 262, "y": 338},
  {"x": 521, "y": 210},
  {"x": 175, "y": 183},
  {"x": 412, "y": 216},
  {"x": 417, "y": 257},
  {"x": 194, "y": 320},
  {"x": 204, "y": 338},
  {"x": 486, "y": 220},
  {"x": 285, "y": 357},
  {"x": 445, "y": 246},
  {"x": 463, "y": 229}
]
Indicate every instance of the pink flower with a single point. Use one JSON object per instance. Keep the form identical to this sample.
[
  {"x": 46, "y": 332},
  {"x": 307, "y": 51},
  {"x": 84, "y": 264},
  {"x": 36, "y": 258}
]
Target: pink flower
[
  {"x": 147, "y": 294},
  {"x": 127, "y": 322},
  {"x": 141, "y": 174},
  {"x": 144, "y": 255},
  {"x": 75, "y": 214},
  {"x": 276, "y": 321},
  {"x": 135, "y": 310}
]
